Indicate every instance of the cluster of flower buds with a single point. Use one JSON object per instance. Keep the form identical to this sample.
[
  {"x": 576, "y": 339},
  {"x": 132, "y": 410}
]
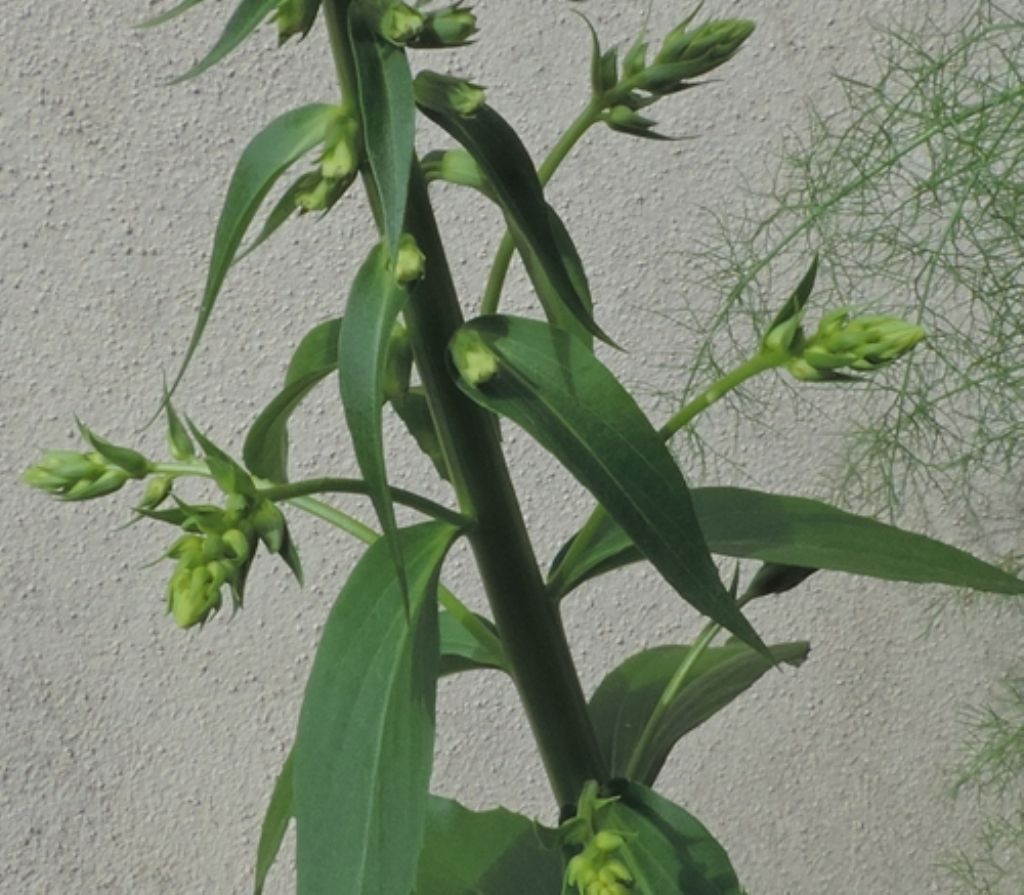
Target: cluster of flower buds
[
  {"x": 338, "y": 166},
  {"x": 295, "y": 17},
  {"x": 450, "y": 26},
  {"x": 862, "y": 344},
  {"x": 685, "y": 54},
  {"x": 217, "y": 549},
  {"x": 596, "y": 870},
  {"x": 599, "y": 867},
  {"x": 71, "y": 475}
]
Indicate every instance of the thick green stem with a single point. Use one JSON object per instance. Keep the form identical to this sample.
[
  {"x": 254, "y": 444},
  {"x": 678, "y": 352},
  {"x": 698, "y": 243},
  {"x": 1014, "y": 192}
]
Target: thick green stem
[
  {"x": 529, "y": 625},
  {"x": 565, "y": 144}
]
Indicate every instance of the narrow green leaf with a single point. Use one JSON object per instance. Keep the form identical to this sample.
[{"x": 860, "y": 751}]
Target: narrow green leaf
[
  {"x": 670, "y": 852},
  {"x": 461, "y": 651},
  {"x": 388, "y": 112},
  {"x": 266, "y": 446},
  {"x": 275, "y": 825},
  {"x": 507, "y": 166},
  {"x": 797, "y": 531},
  {"x": 178, "y": 440},
  {"x": 229, "y": 476},
  {"x": 552, "y": 385},
  {"x": 414, "y": 411},
  {"x": 365, "y": 741},
  {"x": 131, "y": 461},
  {"x": 285, "y": 140},
  {"x": 796, "y": 303},
  {"x": 486, "y": 853},
  {"x": 244, "y": 20},
  {"x": 283, "y": 209},
  {"x": 171, "y": 13},
  {"x": 373, "y": 307},
  {"x": 627, "y": 697}
]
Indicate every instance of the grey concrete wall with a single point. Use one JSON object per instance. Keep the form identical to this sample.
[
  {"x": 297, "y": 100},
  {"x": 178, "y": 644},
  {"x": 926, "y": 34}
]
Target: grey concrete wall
[{"x": 137, "y": 758}]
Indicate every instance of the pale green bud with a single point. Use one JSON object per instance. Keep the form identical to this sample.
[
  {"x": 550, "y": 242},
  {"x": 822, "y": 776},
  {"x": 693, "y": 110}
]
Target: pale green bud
[
  {"x": 473, "y": 358},
  {"x": 157, "y": 489},
  {"x": 237, "y": 545},
  {"x": 781, "y": 337},
  {"x": 295, "y": 17},
  {"x": 398, "y": 367},
  {"x": 268, "y": 522},
  {"x": 607, "y": 841},
  {"x": 705, "y": 47},
  {"x": 454, "y": 166},
  {"x": 341, "y": 154},
  {"x": 400, "y": 23},
  {"x": 466, "y": 98},
  {"x": 410, "y": 265},
  {"x": 73, "y": 475},
  {"x": 449, "y": 27},
  {"x": 110, "y": 481},
  {"x": 323, "y": 194}
]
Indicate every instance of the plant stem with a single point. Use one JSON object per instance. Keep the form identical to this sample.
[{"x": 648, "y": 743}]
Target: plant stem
[
  {"x": 528, "y": 623},
  {"x": 761, "y": 361},
  {"x": 589, "y": 116},
  {"x": 530, "y": 628}
]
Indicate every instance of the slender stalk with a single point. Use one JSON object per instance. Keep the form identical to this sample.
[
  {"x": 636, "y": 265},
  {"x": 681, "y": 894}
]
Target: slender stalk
[
  {"x": 673, "y": 688},
  {"x": 763, "y": 360},
  {"x": 530, "y": 628},
  {"x": 668, "y": 696},
  {"x": 499, "y": 269}
]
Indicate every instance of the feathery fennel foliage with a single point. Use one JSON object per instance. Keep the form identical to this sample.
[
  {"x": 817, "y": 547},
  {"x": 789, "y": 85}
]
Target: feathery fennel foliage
[{"x": 913, "y": 195}]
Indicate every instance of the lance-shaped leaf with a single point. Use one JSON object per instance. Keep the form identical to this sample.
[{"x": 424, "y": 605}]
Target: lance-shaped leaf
[
  {"x": 550, "y": 383},
  {"x": 388, "y": 113},
  {"x": 365, "y": 741},
  {"x": 266, "y": 446},
  {"x": 244, "y": 20},
  {"x": 462, "y": 651},
  {"x": 509, "y": 171},
  {"x": 264, "y": 160},
  {"x": 798, "y": 531},
  {"x": 283, "y": 209},
  {"x": 275, "y": 824},
  {"x": 171, "y": 13},
  {"x": 373, "y": 307},
  {"x": 667, "y": 850},
  {"x": 627, "y": 697},
  {"x": 487, "y": 852}
]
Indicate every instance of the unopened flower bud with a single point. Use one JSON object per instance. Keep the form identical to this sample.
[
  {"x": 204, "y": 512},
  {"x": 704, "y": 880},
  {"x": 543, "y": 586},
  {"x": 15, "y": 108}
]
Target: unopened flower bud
[
  {"x": 400, "y": 23},
  {"x": 449, "y": 27},
  {"x": 607, "y": 841},
  {"x": 269, "y": 524},
  {"x": 322, "y": 194},
  {"x": 410, "y": 265},
  {"x": 454, "y": 166},
  {"x": 398, "y": 366},
  {"x": 295, "y": 17},
  {"x": 110, "y": 481},
  {"x": 474, "y": 359},
  {"x": 781, "y": 337},
  {"x": 237, "y": 545},
  {"x": 341, "y": 153},
  {"x": 703, "y": 49},
  {"x": 157, "y": 489}
]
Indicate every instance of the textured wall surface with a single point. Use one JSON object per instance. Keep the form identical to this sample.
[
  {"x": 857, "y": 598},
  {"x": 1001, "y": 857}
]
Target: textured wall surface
[{"x": 137, "y": 758}]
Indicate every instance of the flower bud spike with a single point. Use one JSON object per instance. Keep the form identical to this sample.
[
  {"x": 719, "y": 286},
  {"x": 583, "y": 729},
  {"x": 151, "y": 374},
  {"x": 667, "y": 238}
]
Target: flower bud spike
[{"x": 157, "y": 489}]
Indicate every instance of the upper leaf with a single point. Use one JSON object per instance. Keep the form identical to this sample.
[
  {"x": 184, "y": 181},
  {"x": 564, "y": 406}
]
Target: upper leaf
[
  {"x": 266, "y": 446},
  {"x": 373, "y": 307},
  {"x": 388, "y": 114},
  {"x": 507, "y": 166},
  {"x": 264, "y": 160},
  {"x": 365, "y": 741},
  {"x": 461, "y": 651},
  {"x": 627, "y": 697},
  {"x": 486, "y": 853},
  {"x": 551, "y": 384},
  {"x": 797, "y": 531},
  {"x": 244, "y": 20}
]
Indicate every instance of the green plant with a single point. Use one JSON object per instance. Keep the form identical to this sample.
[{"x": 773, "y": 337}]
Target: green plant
[{"x": 357, "y": 780}]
